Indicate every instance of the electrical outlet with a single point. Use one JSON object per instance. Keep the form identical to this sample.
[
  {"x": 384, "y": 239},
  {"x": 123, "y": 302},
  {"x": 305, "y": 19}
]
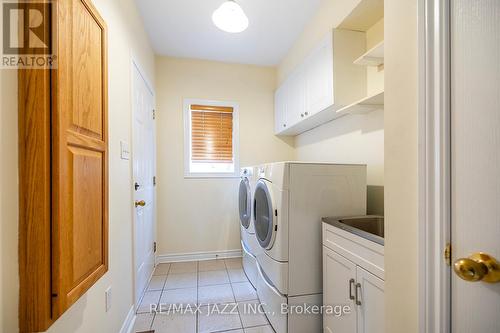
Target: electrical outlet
[{"x": 107, "y": 295}]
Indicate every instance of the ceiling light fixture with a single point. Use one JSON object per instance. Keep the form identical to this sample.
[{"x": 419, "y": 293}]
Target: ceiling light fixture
[{"x": 230, "y": 17}]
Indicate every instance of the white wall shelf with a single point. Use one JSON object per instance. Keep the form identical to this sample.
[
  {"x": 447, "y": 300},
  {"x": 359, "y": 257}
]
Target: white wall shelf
[
  {"x": 365, "y": 105},
  {"x": 373, "y": 57}
]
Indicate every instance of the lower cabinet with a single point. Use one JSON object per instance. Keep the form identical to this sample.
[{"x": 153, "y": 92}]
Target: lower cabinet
[{"x": 347, "y": 285}]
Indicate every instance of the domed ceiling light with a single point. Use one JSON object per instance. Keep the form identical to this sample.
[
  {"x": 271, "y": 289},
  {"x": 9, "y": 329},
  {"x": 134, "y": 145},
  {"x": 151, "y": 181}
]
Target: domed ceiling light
[{"x": 230, "y": 17}]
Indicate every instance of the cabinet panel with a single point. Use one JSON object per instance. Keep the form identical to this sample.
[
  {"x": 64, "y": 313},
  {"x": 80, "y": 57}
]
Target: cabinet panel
[
  {"x": 87, "y": 251},
  {"x": 34, "y": 200},
  {"x": 371, "y": 316},
  {"x": 79, "y": 154},
  {"x": 280, "y": 112},
  {"x": 319, "y": 78},
  {"x": 64, "y": 166},
  {"x": 296, "y": 97},
  {"x": 338, "y": 289},
  {"x": 87, "y": 72}
]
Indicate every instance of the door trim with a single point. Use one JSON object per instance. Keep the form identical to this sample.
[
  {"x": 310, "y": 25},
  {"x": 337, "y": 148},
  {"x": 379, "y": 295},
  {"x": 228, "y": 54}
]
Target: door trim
[
  {"x": 434, "y": 165},
  {"x": 135, "y": 65}
]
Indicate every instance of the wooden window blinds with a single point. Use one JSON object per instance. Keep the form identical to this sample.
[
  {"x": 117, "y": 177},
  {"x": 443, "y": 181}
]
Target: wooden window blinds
[{"x": 211, "y": 134}]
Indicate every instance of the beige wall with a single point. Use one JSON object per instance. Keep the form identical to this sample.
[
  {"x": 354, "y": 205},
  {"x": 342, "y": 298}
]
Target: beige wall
[
  {"x": 201, "y": 214},
  {"x": 9, "y": 283},
  {"x": 354, "y": 138},
  {"x": 401, "y": 178},
  {"x": 126, "y": 37}
]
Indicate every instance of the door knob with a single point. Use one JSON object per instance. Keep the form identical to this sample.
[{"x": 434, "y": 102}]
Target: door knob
[
  {"x": 141, "y": 203},
  {"x": 478, "y": 267}
]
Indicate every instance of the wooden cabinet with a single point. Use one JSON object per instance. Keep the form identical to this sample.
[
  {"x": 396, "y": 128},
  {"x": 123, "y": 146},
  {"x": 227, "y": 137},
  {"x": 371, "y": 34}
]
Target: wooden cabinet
[
  {"x": 348, "y": 282},
  {"x": 64, "y": 168},
  {"x": 325, "y": 81}
]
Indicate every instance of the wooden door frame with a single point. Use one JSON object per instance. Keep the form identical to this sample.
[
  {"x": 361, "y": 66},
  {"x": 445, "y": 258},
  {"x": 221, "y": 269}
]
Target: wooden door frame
[
  {"x": 434, "y": 177},
  {"x": 135, "y": 65}
]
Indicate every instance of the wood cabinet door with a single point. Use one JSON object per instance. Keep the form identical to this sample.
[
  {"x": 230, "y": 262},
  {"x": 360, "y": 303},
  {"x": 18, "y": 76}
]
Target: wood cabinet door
[
  {"x": 79, "y": 153},
  {"x": 339, "y": 276},
  {"x": 371, "y": 317}
]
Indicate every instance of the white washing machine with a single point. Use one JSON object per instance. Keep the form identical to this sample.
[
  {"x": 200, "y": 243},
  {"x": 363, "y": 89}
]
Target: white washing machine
[
  {"x": 249, "y": 243},
  {"x": 290, "y": 199}
]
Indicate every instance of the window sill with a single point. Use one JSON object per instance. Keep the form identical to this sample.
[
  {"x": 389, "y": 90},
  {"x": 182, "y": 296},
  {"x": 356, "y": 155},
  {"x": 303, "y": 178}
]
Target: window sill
[{"x": 211, "y": 175}]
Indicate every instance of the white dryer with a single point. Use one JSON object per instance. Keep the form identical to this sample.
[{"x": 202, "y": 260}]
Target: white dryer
[
  {"x": 249, "y": 243},
  {"x": 290, "y": 199}
]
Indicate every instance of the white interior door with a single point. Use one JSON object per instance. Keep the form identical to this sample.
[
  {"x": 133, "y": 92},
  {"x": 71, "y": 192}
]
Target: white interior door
[
  {"x": 475, "y": 158},
  {"x": 143, "y": 155}
]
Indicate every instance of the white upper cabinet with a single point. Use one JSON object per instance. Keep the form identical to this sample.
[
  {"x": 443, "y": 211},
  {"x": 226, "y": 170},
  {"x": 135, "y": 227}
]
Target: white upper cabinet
[
  {"x": 296, "y": 96},
  {"x": 280, "y": 121},
  {"x": 319, "y": 78},
  {"x": 324, "y": 82}
]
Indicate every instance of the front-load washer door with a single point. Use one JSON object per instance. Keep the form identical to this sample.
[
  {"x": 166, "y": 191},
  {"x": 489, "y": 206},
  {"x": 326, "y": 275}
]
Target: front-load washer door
[
  {"x": 265, "y": 219},
  {"x": 245, "y": 202}
]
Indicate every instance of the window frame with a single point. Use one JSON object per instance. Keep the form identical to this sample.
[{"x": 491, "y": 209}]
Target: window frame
[{"x": 187, "y": 139}]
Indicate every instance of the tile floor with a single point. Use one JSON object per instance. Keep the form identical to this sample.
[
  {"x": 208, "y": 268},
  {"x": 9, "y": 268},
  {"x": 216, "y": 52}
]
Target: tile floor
[{"x": 220, "y": 285}]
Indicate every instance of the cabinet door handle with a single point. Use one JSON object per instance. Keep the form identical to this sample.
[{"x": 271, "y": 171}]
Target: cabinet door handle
[
  {"x": 358, "y": 287},
  {"x": 351, "y": 283}
]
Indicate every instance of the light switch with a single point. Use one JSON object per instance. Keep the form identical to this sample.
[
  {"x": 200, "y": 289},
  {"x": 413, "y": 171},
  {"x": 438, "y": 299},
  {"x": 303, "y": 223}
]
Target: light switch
[{"x": 124, "y": 150}]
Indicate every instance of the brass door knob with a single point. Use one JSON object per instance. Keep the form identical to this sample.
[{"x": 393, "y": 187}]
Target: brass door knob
[
  {"x": 478, "y": 267},
  {"x": 141, "y": 203}
]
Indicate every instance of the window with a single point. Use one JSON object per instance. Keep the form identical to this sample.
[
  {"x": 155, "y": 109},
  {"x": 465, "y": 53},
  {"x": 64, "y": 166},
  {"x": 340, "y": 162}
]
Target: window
[{"x": 211, "y": 138}]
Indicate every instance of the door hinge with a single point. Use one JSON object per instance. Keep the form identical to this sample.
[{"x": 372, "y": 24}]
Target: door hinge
[
  {"x": 447, "y": 254},
  {"x": 154, "y": 114},
  {"x": 154, "y": 247},
  {"x": 154, "y": 181}
]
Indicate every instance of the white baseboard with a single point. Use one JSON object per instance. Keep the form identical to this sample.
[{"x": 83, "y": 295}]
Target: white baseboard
[
  {"x": 197, "y": 256},
  {"x": 129, "y": 322}
]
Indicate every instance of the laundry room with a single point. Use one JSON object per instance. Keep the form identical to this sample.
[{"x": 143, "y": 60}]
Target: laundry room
[
  {"x": 226, "y": 192},
  {"x": 249, "y": 166}
]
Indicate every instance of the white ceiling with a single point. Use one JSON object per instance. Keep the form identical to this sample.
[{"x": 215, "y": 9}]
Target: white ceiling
[{"x": 184, "y": 28}]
